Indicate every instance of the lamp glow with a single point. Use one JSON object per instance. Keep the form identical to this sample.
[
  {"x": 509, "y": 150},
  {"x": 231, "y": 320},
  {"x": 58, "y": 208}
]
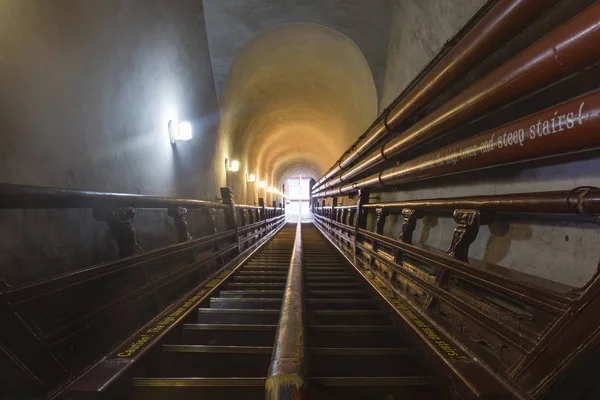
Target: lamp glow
[
  {"x": 251, "y": 178},
  {"x": 262, "y": 184},
  {"x": 270, "y": 189},
  {"x": 180, "y": 132},
  {"x": 234, "y": 166}
]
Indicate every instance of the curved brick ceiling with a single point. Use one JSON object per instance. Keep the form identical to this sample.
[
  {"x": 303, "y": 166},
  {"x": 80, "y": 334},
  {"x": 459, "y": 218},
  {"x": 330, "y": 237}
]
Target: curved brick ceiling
[{"x": 297, "y": 96}]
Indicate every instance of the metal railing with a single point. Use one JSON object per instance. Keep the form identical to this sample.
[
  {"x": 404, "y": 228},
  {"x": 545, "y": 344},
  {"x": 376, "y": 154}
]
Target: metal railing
[{"x": 286, "y": 376}]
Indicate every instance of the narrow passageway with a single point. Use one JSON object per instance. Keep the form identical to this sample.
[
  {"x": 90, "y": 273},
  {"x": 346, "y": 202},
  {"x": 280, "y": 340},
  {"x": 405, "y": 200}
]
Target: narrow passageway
[{"x": 239, "y": 199}]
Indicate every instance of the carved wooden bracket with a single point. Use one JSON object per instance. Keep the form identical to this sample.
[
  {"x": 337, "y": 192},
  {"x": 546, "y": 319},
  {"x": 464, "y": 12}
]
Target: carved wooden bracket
[
  {"x": 409, "y": 223},
  {"x": 466, "y": 232},
  {"x": 381, "y": 215},
  {"x": 179, "y": 218},
  {"x": 120, "y": 223},
  {"x": 344, "y": 219},
  {"x": 351, "y": 216},
  {"x": 244, "y": 217}
]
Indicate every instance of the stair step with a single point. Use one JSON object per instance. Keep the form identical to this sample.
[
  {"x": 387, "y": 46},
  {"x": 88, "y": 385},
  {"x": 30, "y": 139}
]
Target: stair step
[
  {"x": 373, "y": 362},
  {"x": 244, "y": 272},
  {"x": 251, "y": 293},
  {"x": 237, "y": 316},
  {"x": 332, "y": 278},
  {"x": 342, "y": 304},
  {"x": 212, "y": 361},
  {"x": 353, "y": 336},
  {"x": 270, "y": 268},
  {"x": 337, "y": 294},
  {"x": 259, "y": 278},
  {"x": 229, "y": 334},
  {"x": 333, "y": 284},
  {"x": 253, "y": 388},
  {"x": 199, "y": 348},
  {"x": 198, "y": 388},
  {"x": 248, "y": 303},
  {"x": 325, "y": 273},
  {"x": 381, "y": 388},
  {"x": 256, "y": 285},
  {"x": 347, "y": 317},
  {"x": 267, "y": 266}
]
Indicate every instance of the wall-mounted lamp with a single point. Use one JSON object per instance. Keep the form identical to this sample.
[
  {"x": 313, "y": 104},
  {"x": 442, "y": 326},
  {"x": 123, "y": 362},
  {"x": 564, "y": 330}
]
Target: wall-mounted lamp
[
  {"x": 270, "y": 189},
  {"x": 180, "y": 131},
  {"x": 251, "y": 178},
  {"x": 234, "y": 166},
  {"x": 262, "y": 184}
]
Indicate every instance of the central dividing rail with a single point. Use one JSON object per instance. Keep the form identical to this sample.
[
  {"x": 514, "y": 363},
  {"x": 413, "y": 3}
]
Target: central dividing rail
[{"x": 286, "y": 378}]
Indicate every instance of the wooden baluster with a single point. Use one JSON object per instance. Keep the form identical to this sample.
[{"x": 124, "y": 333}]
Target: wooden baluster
[
  {"x": 381, "y": 214},
  {"x": 251, "y": 221},
  {"x": 409, "y": 223},
  {"x": 351, "y": 216},
  {"x": 230, "y": 214},
  {"x": 178, "y": 214},
  {"x": 465, "y": 233},
  {"x": 120, "y": 223},
  {"x": 263, "y": 216},
  {"x": 244, "y": 222},
  {"x": 361, "y": 219},
  {"x": 212, "y": 229}
]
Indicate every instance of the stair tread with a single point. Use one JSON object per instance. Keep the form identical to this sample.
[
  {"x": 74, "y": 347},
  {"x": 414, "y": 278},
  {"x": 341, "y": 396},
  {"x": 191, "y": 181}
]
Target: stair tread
[
  {"x": 202, "y": 348},
  {"x": 230, "y": 327},
  {"x": 197, "y": 381},
  {"x": 345, "y": 328},
  {"x": 355, "y": 351},
  {"x": 238, "y": 310},
  {"x": 325, "y": 381},
  {"x": 419, "y": 380},
  {"x": 347, "y": 312},
  {"x": 245, "y": 299}
]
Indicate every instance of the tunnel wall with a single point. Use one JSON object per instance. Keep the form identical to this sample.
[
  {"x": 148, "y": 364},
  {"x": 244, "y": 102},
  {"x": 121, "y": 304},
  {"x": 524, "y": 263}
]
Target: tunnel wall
[
  {"x": 296, "y": 97},
  {"x": 87, "y": 90},
  {"x": 565, "y": 251}
]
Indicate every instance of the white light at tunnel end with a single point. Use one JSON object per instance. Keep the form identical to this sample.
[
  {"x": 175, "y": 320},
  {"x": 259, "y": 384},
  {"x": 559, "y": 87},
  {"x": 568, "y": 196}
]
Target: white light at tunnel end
[{"x": 180, "y": 131}]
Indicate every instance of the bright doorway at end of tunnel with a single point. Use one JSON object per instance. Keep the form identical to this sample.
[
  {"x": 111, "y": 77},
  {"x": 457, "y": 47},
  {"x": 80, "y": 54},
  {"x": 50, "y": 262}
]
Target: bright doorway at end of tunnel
[{"x": 297, "y": 198}]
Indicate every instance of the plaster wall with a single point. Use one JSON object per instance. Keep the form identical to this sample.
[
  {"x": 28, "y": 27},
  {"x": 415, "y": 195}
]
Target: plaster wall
[{"x": 86, "y": 91}]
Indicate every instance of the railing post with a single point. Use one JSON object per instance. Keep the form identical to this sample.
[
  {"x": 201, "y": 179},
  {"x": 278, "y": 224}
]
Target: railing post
[
  {"x": 361, "y": 217},
  {"x": 212, "y": 228},
  {"x": 230, "y": 216},
  {"x": 332, "y": 228},
  {"x": 263, "y": 215},
  {"x": 178, "y": 214},
  {"x": 286, "y": 379},
  {"x": 120, "y": 223}
]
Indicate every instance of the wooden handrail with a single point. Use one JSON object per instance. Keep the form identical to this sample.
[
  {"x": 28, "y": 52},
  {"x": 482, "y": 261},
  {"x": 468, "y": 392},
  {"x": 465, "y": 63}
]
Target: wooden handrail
[
  {"x": 521, "y": 318},
  {"x": 286, "y": 378},
  {"x": 23, "y": 197}
]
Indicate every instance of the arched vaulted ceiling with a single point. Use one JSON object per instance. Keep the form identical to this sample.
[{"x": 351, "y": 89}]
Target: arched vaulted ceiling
[{"x": 296, "y": 97}]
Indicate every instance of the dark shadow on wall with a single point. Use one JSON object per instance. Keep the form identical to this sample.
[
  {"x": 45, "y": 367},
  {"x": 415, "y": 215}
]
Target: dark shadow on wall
[
  {"x": 428, "y": 224},
  {"x": 503, "y": 234}
]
